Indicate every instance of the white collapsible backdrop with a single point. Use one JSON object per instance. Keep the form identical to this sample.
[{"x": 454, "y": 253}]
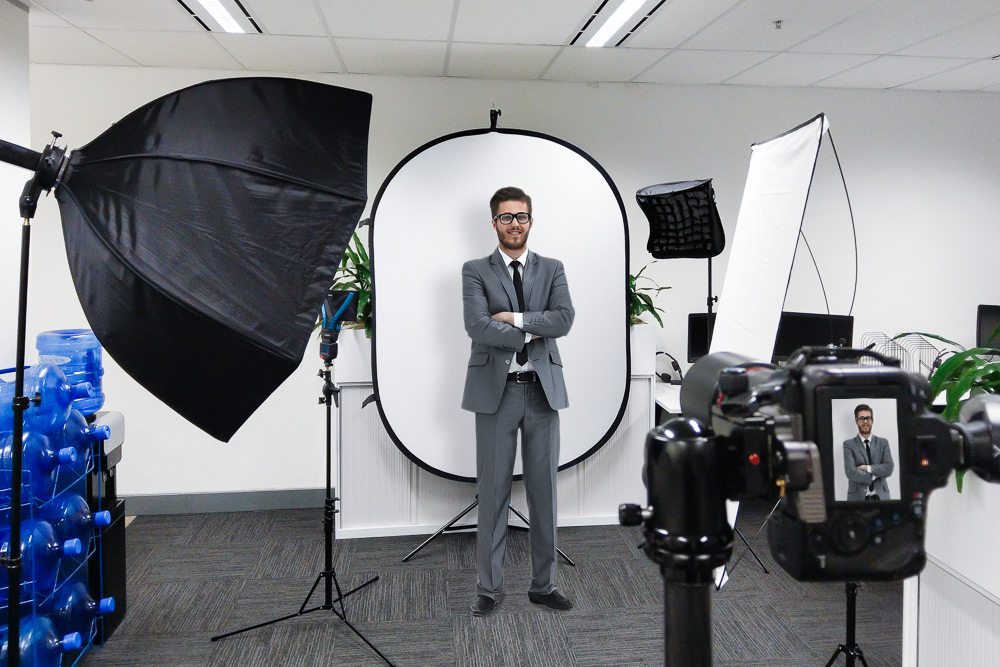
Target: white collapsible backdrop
[
  {"x": 760, "y": 262},
  {"x": 432, "y": 215}
]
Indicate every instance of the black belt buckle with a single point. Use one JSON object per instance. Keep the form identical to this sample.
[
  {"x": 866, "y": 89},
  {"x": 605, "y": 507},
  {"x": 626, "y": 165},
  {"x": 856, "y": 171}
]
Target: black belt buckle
[{"x": 524, "y": 377}]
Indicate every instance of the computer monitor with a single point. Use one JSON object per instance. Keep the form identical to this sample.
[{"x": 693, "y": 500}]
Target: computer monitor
[
  {"x": 798, "y": 329},
  {"x": 987, "y": 321},
  {"x": 794, "y": 331}
]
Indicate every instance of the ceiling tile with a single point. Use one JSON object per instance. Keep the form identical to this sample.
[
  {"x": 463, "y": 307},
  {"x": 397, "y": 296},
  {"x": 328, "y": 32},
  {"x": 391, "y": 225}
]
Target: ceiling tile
[
  {"x": 282, "y": 53},
  {"x": 675, "y": 22},
  {"x": 797, "y": 69},
  {"x": 750, "y": 26},
  {"x": 978, "y": 39},
  {"x": 389, "y": 19},
  {"x": 890, "y": 71},
  {"x": 982, "y": 74},
  {"x": 499, "y": 61},
  {"x": 168, "y": 49},
  {"x": 891, "y": 25},
  {"x": 701, "y": 67},
  {"x": 39, "y": 16},
  {"x": 392, "y": 57},
  {"x": 287, "y": 17},
  {"x": 579, "y": 63},
  {"x": 70, "y": 46},
  {"x": 522, "y": 21},
  {"x": 123, "y": 14}
]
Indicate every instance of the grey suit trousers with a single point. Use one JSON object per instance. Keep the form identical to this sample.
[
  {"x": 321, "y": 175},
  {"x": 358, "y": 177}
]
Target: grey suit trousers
[{"x": 522, "y": 407}]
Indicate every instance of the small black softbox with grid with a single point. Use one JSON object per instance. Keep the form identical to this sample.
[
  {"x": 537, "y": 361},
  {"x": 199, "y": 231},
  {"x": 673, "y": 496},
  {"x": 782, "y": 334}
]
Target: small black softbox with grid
[{"x": 683, "y": 220}]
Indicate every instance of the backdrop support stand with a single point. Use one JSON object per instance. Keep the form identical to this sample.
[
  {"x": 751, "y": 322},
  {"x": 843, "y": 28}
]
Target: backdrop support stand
[
  {"x": 329, "y": 574},
  {"x": 450, "y": 526}
]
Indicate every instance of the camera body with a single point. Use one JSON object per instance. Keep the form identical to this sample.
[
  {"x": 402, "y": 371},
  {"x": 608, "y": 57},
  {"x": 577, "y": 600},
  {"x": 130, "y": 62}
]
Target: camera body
[{"x": 787, "y": 432}]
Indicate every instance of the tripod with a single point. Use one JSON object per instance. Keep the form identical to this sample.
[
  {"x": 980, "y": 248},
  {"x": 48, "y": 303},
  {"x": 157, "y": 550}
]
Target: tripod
[
  {"x": 749, "y": 549},
  {"x": 450, "y": 526},
  {"x": 850, "y": 648},
  {"x": 329, "y": 575}
]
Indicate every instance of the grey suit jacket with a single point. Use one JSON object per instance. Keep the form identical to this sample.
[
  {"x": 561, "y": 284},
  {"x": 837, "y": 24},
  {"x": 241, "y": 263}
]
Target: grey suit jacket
[
  {"x": 882, "y": 467},
  {"x": 488, "y": 289}
]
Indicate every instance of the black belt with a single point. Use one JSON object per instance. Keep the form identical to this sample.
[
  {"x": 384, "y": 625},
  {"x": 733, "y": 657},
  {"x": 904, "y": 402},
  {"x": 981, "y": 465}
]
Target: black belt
[{"x": 522, "y": 377}]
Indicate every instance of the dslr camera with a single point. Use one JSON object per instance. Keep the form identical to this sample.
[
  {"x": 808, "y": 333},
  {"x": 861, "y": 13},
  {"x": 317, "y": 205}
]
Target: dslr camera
[{"x": 753, "y": 430}]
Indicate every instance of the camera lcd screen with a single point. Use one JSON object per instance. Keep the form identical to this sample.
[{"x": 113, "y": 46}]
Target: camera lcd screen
[
  {"x": 865, "y": 449},
  {"x": 860, "y": 444}
]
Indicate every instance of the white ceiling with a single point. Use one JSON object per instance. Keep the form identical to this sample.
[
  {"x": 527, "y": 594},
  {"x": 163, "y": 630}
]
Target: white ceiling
[{"x": 909, "y": 44}]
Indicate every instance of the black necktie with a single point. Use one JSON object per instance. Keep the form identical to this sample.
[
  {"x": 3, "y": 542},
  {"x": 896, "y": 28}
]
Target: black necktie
[
  {"x": 522, "y": 356},
  {"x": 868, "y": 450}
]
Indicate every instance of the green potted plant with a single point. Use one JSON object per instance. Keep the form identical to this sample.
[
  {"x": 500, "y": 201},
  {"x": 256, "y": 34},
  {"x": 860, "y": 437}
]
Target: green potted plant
[
  {"x": 355, "y": 274},
  {"x": 640, "y": 299},
  {"x": 964, "y": 374}
]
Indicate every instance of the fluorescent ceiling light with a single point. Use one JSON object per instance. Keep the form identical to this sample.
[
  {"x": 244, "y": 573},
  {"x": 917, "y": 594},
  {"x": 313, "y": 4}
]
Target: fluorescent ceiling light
[
  {"x": 222, "y": 17},
  {"x": 615, "y": 22}
]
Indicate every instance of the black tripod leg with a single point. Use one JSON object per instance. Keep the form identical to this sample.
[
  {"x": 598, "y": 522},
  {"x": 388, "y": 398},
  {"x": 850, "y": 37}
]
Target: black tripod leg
[
  {"x": 442, "y": 529},
  {"x": 527, "y": 523}
]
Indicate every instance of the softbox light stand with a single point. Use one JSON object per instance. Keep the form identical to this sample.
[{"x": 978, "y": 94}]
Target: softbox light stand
[
  {"x": 328, "y": 576},
  {"x": 684, "y": 223},
  {"x": 183, "y": 182}
]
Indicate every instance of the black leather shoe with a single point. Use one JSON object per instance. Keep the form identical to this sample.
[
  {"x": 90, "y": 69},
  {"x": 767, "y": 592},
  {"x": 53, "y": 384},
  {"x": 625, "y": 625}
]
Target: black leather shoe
[
  {"x": 554, "y": 600},
  {"x": 483, "y": 606}
]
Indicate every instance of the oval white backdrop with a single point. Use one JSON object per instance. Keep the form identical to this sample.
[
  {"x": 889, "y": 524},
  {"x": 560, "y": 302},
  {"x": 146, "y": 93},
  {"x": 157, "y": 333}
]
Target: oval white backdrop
[{"x": 430, "y": 216}]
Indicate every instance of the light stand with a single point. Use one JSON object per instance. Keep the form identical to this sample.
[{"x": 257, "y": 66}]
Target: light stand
[
  {"x": 850, "y": 648},
  {"x": 47, "y": 166},
  {"x": 330, "y": 398}
]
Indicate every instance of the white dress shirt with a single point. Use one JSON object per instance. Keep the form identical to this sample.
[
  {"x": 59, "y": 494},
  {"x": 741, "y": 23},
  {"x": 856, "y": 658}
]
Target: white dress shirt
[{"x": 518, "y": 317}]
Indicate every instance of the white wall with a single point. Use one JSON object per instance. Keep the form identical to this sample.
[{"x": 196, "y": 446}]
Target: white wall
[
  {"x": 923, "y": 171},
  {"x": 15, "y": 116}
]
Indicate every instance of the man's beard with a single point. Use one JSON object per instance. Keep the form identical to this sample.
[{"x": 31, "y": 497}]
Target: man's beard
[{"x": 512, "y": 243}]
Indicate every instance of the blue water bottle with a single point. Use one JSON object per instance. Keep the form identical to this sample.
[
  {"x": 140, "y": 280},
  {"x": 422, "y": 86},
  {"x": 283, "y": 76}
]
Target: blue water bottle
[
  {"x": 56, "y": 394},
  {"x": 80, "y": 436},
  {"x": 39, "y": 645},
  {"x": 39, "y": 459},
  {"x": 70, "y": 517},
  {"x": 72, "y": 609},
  {"x": 78, "y": 353},
  {"x": 41, "y": 554}
]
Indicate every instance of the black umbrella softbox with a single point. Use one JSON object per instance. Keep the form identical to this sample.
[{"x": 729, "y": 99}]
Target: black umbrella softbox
[{"x": 203, "y": 231}]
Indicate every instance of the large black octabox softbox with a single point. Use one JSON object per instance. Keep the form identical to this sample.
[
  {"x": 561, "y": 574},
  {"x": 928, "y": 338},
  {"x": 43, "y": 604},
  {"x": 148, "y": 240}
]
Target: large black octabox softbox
[{"x": 203, "y": 231}]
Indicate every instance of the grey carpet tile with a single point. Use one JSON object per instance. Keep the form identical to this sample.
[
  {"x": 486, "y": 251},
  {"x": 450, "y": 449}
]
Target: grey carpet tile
[
  {"x": 209, "y": 562},
  {"x": 611, "y": 584},
  {"x": 512, "y": 639},
  {"x": 400, "y": 596},
  {"x": 260, "y": 600},
  {"x": 324, "y": 641},
  {"x": 595, "y": 541},
  {"x": 623, "y": 637},
  {"x": 387, "y": 553},
  {"x": 231, "y": 528},
  {"x": 633, "y": 537},
  {"x": 757, "y": 633},
  {"x": 160, "y": 529},
  {"x": 289, "y": 557},
  {"x": 145, "y": 650},
  {"x": 180, "y": 608},
  {"x": 143, "y": 559}
]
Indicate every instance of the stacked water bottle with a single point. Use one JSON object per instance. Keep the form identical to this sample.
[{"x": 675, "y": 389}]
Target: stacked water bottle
[{"x": 58, "y": 611}]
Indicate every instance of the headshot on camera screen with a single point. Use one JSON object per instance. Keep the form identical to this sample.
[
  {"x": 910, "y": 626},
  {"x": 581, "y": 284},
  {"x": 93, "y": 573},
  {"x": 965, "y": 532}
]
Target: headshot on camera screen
[{"x": 865, "y": 449}]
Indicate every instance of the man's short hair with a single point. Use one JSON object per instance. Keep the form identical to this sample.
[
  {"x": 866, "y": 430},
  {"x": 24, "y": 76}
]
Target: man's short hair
[
  {"x": 862, "y": 408},
  {"x": 508, "y": 194}
]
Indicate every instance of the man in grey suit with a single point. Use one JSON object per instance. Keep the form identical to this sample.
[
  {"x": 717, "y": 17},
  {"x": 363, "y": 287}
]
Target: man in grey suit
[
  {"x": 515, "y": 303},
  {"x": 867, "y": 460}
]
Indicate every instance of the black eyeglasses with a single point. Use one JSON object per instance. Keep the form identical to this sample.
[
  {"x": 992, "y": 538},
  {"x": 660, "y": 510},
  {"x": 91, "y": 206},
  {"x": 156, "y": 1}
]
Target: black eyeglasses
[
  {"x": 507, "y": 218},
  {"x": 862, "y": 419}
]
